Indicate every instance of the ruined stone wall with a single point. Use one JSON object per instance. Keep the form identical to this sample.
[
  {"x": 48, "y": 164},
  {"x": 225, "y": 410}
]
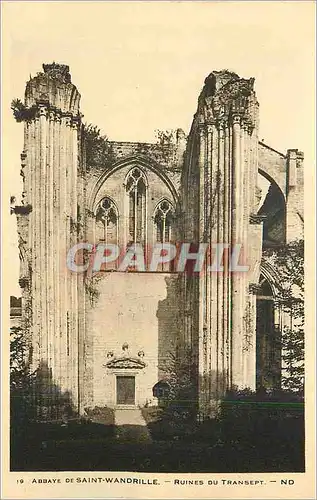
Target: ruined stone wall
[
  {"x": 164, "y": 160},
  {"x": 225, "y": 129},
  {"x": 272, "y": 164},
  {"x": 51, "y": 190},
  {"x": 287, "y": 173},
  {"x": 295, "y": 195},
  {"x": 139, "y": 310},
  {"x": 213, "y": 187}
]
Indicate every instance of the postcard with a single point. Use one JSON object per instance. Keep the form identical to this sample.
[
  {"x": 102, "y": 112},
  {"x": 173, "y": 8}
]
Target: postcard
[{"x": 158, "y": 249}]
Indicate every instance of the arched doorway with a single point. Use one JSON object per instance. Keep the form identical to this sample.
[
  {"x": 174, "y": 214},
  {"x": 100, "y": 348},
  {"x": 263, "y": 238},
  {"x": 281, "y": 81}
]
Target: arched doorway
[{"x": 268, "y": 339}]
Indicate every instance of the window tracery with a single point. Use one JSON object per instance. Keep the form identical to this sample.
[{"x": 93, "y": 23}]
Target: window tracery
[
  {"x": 107, "y": 220},
  {"x": 163, "y": 219},
  {"x": 136, "y": 188}
]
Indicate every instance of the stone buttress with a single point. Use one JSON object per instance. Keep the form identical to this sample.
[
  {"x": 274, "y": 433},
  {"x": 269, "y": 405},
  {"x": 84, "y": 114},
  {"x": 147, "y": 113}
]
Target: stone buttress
[
  {"x": 53, "y": 189},
  {"x": 219, "y": 200}
]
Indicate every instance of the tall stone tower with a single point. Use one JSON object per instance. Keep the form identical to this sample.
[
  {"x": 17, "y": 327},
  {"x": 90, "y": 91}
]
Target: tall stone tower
[
  {"x": 219, "y": 201},
  {"x": 53, "y": 191}
]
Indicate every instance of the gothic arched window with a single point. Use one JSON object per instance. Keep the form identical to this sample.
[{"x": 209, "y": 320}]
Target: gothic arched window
[
  {"x": 107, "y": 221},
  {"x": 268, "y": 339},
  {"x": 136, "y": 189},
  {"x": 163, "y": 219}
]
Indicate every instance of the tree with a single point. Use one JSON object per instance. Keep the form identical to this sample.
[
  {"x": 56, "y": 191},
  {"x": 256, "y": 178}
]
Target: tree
[
  {"x": 97, "y": 147},
  {"x": 19, "y": 370},
  {"x": 179, "y": 370},
  {"x": 21, "y": 380},
  {"x": 166, "y": 143},
  {"x": 289, "y": 260}
]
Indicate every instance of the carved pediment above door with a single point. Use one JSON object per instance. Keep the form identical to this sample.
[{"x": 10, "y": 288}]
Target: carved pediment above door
[{"x": 126, "y": 363}]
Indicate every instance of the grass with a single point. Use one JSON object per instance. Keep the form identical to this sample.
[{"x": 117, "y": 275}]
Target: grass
[
  {"x": 167, "y": 456},
  {"x": 248, "y": 438}
]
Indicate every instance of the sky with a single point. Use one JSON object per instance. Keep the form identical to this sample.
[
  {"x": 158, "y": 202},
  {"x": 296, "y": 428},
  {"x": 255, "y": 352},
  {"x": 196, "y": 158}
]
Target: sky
[{"x": 140, "y": 66}]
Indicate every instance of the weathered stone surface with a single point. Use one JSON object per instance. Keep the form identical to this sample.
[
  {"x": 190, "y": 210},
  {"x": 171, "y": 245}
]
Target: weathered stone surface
[{"x": 78, "y": 324}]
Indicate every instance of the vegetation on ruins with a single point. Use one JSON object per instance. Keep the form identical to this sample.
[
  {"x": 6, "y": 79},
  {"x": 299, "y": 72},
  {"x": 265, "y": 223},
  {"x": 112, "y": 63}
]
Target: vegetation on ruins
[
  {"x": 100, "y": 153},
  {"x": 21, "y": 382},
  {"x": 97, "y": 147},
  {"x": 21, "y": 112},
  {"x": 91, "y": 288},
  {"x": 165, "y": 138},
  {"x": 19, "y": 370},
  {"x": 179, "y": 373},
  {"x": 289, "y": 260}
]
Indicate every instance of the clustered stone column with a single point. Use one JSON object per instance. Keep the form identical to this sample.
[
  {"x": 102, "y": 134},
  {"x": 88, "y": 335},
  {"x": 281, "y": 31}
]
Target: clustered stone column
[
  {"x": 226, "y": 130},
  {"x": 51, "y": 189}
]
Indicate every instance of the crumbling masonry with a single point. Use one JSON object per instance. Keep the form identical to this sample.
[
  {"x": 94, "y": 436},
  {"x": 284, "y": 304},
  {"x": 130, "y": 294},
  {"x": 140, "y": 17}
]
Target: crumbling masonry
[{"x": 108, "y": 339}]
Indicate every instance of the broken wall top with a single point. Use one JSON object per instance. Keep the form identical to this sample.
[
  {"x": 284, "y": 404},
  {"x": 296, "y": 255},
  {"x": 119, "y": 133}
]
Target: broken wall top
[
  {"x": 225, "y": 96},
  {"x": 54, "y": 88}
]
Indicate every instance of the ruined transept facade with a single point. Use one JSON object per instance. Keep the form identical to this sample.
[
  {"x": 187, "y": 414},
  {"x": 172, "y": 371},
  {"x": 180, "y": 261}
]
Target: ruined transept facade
[{"x": 107, "y": 338}]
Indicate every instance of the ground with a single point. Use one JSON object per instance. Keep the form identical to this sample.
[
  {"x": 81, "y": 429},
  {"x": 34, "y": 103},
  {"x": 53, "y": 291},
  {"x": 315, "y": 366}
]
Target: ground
[{"x": 108, "y": 444}]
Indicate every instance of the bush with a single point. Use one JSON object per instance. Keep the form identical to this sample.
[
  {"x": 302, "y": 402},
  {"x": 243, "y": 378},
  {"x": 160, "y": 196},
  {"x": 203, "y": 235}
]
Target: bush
[{"x": 268, "y": 427}]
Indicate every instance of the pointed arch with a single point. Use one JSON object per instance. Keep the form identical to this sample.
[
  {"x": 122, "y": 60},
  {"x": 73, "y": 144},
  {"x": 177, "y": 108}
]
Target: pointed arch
[
  {"x": 263, "y": 171},
  {"x": 163, "y": 217},
  {"x": 106, "y": 204},
  {"x": 268, "y": 334},
  {"x": 141, "y": 162},
  {"x": 106, "y": 220},
  {"x": 271, "y": 275},
  {"x": 136, "y": 190}
]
